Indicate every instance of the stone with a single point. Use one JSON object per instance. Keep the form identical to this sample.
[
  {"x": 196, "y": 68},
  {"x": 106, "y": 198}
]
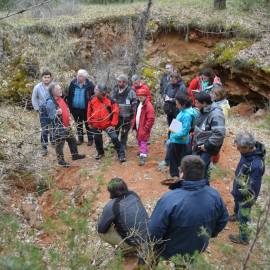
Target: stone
[
  {"x": 261, "y": 113},
  {"x": 243, "y": 109}
]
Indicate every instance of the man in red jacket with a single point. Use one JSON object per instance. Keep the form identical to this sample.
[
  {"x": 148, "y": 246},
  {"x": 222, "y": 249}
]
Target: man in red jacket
[
  {"x": 102, "y": 114},
  {"x": 143, "y": 122},
  {"x": 137, "y": 84}
]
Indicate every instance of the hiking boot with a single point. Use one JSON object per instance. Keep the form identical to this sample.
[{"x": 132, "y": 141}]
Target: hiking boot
[
  {"x": 141, "y": 161},
  {"x": 99, "y": 156},
  {"x": 233, "y": 218},
  {"x": 63, "y": 164},
  {"x": 169, "y": 181},
  {"x": 122, "y": 159},
  {"x": 78, "y": 156},
  {"x": 79, "y": 142},
  {"x": 90, "y": 143},
  {"x": 235, "y": 238},
  {"x": 44, "y": 152},
  {"x": 162, "y": 165}
]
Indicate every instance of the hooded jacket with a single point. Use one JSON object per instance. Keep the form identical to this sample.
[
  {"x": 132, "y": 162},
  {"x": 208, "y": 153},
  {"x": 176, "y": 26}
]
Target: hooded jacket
[
  {"x": 248, "y": 175},
  {"x": 186, "y": 117},
  {"x": 128, "y": 215},
  {"x": 145, "y": 87},
  {"x": 102, "y": 113},
  {"x": 187, "y": 217},
  {"x": 88, "y": 89},
  {"x": 210, "y": 129},
  {"x": 147, "y": 120}
]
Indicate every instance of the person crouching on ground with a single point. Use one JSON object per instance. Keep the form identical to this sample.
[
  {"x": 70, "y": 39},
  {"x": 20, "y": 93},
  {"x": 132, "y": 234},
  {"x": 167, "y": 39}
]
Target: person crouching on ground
[
  {"x": 187, "y": 216},
  {"x": 247, "y": 182},
  {"x": 124, "y": 219},
  {"x": 143, "y": 122},
  {"x": 59, "y": 114},
  {"x": 103, "y": 114},
  {"x": 178, "y": 142}
]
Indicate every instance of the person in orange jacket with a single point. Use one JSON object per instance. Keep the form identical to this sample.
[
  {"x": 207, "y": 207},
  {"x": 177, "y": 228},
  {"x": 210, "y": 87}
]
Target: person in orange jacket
[
  {"x": 103, "y": 114},
  {"x": 138, "y": 84}
]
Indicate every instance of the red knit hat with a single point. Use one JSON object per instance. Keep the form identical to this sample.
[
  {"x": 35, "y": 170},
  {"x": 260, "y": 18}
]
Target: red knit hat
[{"x": 141, "y": 92}]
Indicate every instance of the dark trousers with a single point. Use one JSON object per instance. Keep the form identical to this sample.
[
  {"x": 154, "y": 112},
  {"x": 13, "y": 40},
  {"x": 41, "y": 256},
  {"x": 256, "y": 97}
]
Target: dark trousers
[
  {"x": 206, "y": 157},
  {"x": 80, "y": 117},
  {"x": 114, "y": 138},
  {"x": 46, "y": 131},
  {"x": 242, "y": 213},
  {"x": 175, "y": 153},
  {"x": 60, "y": 142},
  {"x": 170, "y": 117},
  {"x": 123, "y": 128}
]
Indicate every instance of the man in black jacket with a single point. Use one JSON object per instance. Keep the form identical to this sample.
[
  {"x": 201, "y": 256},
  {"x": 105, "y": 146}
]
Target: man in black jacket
[
  {"x": 209, "y": 131},
  {"x": 125, "y": 97},
  {"x": 80, "y": 92},
  {"x": 124, "y": 219}
]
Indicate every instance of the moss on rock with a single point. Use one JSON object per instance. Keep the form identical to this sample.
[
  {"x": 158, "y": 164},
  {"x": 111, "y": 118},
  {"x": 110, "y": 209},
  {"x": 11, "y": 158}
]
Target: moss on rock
[{"x": 228, "y": 52}]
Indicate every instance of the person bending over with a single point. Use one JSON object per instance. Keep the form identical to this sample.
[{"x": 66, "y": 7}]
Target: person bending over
[{"x": 123, "y": 221}]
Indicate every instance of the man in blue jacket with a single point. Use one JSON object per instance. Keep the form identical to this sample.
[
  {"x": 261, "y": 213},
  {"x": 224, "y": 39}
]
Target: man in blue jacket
[
  {"x": 186, "y": 217},
  {"x": 247, "y": 182},
  {"x": 80, "y": 91}
]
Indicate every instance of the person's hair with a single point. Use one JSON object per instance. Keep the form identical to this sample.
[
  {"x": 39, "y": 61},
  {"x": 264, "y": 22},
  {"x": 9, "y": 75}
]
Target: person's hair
[
  {"x": 192, "y": 167},
  {"x": 102, "y": 88},
  {"x": 50, "y": 90},
  {"x": 122, "y": 77},
  {"x": 208, "y": 72},
  {"x": 135, "y": 78},
  {"x": 219, "y": 91},
  {"x": 176, "y": 74},
  {"x": 117, "y": 188},
  {"x": 52, "y": 87},
  {"x": 203, "y": 97},
  {"x": 184, "y": 100},
  {"x": 245, "y": 139},
  {"x": 46, "y": 73},
  {"x": 82, "y": 72}
]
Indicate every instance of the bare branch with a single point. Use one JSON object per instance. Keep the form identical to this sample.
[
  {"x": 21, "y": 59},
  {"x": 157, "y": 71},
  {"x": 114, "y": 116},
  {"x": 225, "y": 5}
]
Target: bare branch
[{"x": 24, "y": 10}]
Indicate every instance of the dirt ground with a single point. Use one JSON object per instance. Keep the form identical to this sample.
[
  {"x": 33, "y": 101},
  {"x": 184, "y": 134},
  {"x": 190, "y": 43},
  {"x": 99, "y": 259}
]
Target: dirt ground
[{"x": 143, "y": 180}]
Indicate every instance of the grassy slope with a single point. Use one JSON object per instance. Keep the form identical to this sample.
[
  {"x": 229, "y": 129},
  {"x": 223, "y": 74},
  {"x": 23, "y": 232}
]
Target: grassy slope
[{"x": 182, "y": 11}]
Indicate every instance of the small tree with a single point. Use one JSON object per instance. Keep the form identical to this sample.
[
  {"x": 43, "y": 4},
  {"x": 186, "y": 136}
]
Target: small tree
[{"x": 219, "y": 4}]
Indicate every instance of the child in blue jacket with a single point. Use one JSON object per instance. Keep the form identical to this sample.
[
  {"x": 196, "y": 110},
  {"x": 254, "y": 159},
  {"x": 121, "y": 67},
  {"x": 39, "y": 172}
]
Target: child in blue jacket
[{"x": 177, "y": 148}]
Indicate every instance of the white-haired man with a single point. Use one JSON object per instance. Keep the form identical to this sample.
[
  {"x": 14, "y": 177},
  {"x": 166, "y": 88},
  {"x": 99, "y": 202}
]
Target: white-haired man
[
  {"x": 247, "y": 182},
  {"x": 125, "y": 97},
  {"x": 81, "y": 90}
]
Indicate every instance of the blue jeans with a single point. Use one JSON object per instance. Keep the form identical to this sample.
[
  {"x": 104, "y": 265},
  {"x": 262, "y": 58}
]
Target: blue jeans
[{"x": 46, "y": 132}]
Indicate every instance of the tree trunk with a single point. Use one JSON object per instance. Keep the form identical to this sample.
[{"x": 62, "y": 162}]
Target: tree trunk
[
  {"x": 219, "y": 4},
  {"x": 139, "y": 39}
]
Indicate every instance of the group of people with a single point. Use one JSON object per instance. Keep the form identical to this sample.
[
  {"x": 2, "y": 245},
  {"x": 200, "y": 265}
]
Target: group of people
[
  {"x": 192, "y": 205},
  {"x": 98, "y": 109}
]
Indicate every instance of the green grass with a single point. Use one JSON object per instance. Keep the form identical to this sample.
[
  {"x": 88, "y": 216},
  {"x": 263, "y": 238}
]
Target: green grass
[{"x": 181, "y": 11}]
